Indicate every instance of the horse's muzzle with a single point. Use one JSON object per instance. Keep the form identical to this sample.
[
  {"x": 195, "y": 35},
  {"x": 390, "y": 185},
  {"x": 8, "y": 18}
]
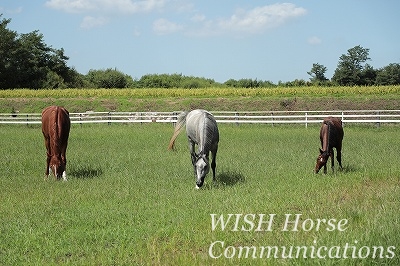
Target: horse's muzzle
[{"x": 199, "y": 184}]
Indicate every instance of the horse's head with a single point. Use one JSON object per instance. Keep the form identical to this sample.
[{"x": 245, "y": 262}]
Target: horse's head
[
  {"x": 321, "y": 160},
  {"x": 202, "y": 168},
  {"x": 57, "y": 166}
]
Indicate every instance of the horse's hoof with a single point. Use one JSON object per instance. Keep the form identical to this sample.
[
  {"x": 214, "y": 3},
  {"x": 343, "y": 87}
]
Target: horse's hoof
[{"x": 197, "y": 187}]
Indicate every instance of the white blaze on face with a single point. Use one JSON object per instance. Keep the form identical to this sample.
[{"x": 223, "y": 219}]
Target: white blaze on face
[
  {"x": 201, "y": 168},
  {"x": 54, "y": 170}
]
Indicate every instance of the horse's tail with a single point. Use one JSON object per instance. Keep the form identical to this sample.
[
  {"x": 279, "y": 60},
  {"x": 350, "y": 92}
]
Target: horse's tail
[{"x": 178, "y": 127}]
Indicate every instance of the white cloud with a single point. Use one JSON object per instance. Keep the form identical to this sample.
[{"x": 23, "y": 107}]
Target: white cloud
[
  {"x": 71, "y": 6},
  {"x": 244, "y": 22},
  {"x": 261, "y": 18},
  {"x": 163, "y": 26},
  {"x": 198, "y": 18},
  {"x": 250, "y": 21},
  {"x": 92, "y": 22},
  {"x": 314, "y": 40},
  {"x": 106, "y": 6}
]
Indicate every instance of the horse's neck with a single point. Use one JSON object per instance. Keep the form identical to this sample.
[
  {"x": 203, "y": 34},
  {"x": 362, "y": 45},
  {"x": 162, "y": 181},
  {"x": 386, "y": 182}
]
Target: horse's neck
[
  {"x": 203, "y": 148},
  {"x": 326, "y": 137},
  {"x": 197, "y": 131}
]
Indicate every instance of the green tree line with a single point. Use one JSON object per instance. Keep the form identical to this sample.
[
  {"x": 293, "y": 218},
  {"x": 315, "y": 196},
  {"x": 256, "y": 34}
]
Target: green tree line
[{"x": 26, "y": 61}]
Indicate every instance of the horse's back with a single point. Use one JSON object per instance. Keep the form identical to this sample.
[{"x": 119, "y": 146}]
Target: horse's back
[
  {"x": 202, "y": 121},
  {"x": 337, "y": 125},
  {"x": 56, "y": 122},
  {"x": 336, "y": 130}
]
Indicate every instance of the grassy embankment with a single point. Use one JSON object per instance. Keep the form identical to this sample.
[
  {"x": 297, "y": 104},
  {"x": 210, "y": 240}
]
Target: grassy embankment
[{"x": 303, "y": 98}]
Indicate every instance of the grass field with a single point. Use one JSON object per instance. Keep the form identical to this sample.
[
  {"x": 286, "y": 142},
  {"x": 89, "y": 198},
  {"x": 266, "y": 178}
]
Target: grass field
[{"x": 130, "y": 201}]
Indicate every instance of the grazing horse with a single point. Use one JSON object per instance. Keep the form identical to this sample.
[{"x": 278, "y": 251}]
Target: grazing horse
[
  {"x": 201, "y": 129},
  {"x": 55, "y": 128},
  {"x": 331, "y": 136}
]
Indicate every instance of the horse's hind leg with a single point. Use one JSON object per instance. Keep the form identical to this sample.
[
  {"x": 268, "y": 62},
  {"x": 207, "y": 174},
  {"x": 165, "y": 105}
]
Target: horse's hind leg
[
  {"x": 47, "y": 144},
  {"x": 332, "y": 155},
  {"x": 46, "y": 175}
]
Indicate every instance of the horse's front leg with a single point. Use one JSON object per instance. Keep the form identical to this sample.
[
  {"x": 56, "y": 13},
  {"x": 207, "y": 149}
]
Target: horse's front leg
[
  {"x": 64, "y": 162},
  {"x": 332, "y": 155},
  {"x": 193, "y": 155},
  {"x": 48, "y": 154},
  {"x": 214, "y": 163},
  {"x": 339, "y": 156}
]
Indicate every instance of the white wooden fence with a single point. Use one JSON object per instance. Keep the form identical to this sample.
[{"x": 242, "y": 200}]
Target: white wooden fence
[{"x": 257, "y": 117}]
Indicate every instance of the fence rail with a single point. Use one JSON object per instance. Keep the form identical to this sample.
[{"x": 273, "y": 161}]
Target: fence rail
[{"x": 256, "y": 117}]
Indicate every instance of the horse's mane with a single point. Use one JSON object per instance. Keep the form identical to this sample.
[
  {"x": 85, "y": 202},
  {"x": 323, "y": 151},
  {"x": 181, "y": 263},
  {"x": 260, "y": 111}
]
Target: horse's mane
[
  {"x": 209, "y": 127},
  {"x": 334, "y": 125},
  {"x": 328, "y": 138},
  {"x": 178, "y": 127}
]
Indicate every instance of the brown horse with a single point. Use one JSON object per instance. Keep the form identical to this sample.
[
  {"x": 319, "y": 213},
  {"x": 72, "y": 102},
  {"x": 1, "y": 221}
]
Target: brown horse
[
  {"x": 55, "y": 128},
  {"x": 331, "y": 136}
]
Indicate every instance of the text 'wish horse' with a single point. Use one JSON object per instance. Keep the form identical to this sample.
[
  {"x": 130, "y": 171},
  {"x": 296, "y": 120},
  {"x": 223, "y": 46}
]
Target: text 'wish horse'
[
  {"x": 201, "y": 129},
  {"x": 331, "y": 136},
  {"x": 55, "y": 128}
]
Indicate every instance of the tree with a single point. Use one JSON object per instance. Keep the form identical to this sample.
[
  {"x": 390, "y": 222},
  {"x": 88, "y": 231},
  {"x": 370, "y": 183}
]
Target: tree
[
  {"x": 27, "y": 62},
  {"x": 7, "y": 44},
  {"x": 109, "y": 78},
  {"x": 388, "y": 75},
  {"x": 367, "y": 76},
  {"x": 350, "y": 67},
  {"x": 317, "y": 73}
]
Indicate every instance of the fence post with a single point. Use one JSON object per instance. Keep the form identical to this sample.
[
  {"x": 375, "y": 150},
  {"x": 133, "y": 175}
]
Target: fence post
[
  {"x": 342, "y": 118},
  {"x": 174, "y": 114},
  {"x": 272, "y": 118},
  {"x": 237, "y": 118},
  {"x": 306, "y": 119},
  {"x": 109, "y": 118},
  {"x": 378, "y": 124}
]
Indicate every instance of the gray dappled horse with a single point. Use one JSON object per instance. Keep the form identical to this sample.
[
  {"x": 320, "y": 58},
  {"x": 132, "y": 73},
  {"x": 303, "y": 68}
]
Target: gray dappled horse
[{"x": 201, "y": 129}]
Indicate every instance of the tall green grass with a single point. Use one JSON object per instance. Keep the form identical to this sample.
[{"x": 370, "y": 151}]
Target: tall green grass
[
  {"x": 238, "y": 99},
  {"x": 208, "y": 92},
  {"x": 130, "y": 201}
]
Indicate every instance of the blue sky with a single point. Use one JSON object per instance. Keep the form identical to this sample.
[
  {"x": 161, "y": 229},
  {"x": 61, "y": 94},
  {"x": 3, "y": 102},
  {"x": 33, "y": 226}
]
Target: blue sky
[{"x": 222, "y": 39}]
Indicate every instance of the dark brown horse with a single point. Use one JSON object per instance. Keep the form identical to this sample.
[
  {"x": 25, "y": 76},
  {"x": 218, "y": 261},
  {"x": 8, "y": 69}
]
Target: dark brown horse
[
  {"x": 55, "y": 128},
  {"x": 331, "y": 136}
]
